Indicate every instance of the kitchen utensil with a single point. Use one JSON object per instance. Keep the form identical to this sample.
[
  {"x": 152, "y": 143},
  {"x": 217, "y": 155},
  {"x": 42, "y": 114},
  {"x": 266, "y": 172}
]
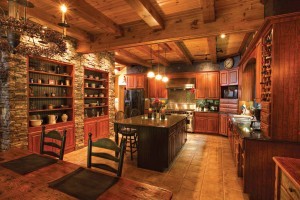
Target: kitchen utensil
[
  {"x": 52, "y": 119},
  {"x": 93, "y": 104},
  {"x": 35, "y": 122}
]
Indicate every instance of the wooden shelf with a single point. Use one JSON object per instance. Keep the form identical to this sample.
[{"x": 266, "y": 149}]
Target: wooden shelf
[
  {"x": 47, "y": 73},
  {"x": 50, "y": 110},
  {"x": 50, "y": 97},
  {"x": 95, "y": 88},
  {"x": 95, "y": 97},
  {"x": 92, "y": 79},
  {"x": 50, "y": 85},
  {"x": 96, "y": 107}
]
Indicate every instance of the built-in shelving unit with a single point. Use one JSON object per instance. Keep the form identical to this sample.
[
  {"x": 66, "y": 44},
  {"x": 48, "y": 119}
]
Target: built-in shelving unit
[
  {"x": 50, "y": 96},
  {"x": 266, "y": 67}
]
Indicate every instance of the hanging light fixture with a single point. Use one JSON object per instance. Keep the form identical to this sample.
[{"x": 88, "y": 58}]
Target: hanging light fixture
[
  {"x": 158, "y": 75},
  {"x": 151, "y": 74},
  {"x": 19, "y": 35}
]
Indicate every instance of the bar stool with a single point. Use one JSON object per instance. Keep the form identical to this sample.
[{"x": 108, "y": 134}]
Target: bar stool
[{"x": 129, "y": 134}]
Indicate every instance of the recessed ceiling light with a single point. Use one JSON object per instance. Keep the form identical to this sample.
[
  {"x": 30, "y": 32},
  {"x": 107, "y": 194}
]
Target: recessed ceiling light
[{"x": 223, "y": 36}]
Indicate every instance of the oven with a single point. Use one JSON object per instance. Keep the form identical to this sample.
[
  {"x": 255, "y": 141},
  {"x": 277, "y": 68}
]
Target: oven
[{"x": 189, "y": 118}]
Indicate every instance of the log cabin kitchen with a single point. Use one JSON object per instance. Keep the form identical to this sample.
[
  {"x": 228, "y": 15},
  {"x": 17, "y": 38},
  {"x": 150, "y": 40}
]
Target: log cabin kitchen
[{"x": 150, "y": 99}]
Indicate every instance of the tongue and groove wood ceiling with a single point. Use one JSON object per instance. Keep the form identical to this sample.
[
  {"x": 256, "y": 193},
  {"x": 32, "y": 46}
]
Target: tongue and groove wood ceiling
[{"x": 164, "y": 31}]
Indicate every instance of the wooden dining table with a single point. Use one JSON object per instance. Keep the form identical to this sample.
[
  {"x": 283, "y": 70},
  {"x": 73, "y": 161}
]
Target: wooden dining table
[{"x": 35, "y": 185}]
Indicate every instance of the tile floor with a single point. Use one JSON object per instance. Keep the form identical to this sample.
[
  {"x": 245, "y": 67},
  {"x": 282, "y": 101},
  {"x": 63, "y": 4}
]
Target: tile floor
[{"x": 204, "y": 169}]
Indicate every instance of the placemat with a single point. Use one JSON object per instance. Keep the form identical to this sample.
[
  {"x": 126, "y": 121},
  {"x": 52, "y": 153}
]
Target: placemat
[
  {"x": 84, "y": 184},
  {"x": 28, "y": 163}
]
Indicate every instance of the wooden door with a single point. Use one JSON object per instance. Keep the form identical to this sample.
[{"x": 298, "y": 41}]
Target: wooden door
[
  {"x": 140, "y": 81},
  {"x": 70, "y": 139},
  {"x": 224, "y": 77},
  {"x": 152, "y": 92},
  {"x": 102, "y": 129},
  {"x": 212, "y": 125},
  {"x": 90, "y": 127},
  {"x": 233, "y": 77},
  {"x": 130, "y": 82},
  {"x": 200, "y": 124},
  {"x": 213, "y": 86},
  {"x": 223, "y": 124},
  {"x": 201, "y": 85}
]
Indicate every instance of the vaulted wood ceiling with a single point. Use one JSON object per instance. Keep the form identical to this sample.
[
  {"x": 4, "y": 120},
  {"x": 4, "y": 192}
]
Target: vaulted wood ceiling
[{"x": 164, "y": 31}]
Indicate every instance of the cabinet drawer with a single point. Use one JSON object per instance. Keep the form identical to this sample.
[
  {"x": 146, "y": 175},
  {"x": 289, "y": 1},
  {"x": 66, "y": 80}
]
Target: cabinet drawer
[
  {"x": 232, "y": 106},
  {"x": 289, "y": 187},
  {"x": 265, "y": 117},
  {"x": 229, "y": 101}
]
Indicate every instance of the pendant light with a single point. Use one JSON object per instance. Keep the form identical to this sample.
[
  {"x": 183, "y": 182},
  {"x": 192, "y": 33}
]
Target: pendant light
[
  {"x": 151, "y": 74},
  {"x": 158, "y": 75}
]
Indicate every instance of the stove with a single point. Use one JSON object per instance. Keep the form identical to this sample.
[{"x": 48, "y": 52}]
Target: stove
[{"x": 189, "y": 115}]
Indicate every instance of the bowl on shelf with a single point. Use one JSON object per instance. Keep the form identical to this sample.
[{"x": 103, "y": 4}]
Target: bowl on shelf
[
  {"x": 95, "y": 95},
  {"x": 36, "y": 122},
  {"x": 86, "y": 105},
  {"x": 90, "y": 95},
  {"x": 93, "y": 104},
  {"x": 91, "y": 76},
  {"x": 97, "y": 77},
  {"x": 101, "y": 95},
  {"x": 102, "y": 104}
]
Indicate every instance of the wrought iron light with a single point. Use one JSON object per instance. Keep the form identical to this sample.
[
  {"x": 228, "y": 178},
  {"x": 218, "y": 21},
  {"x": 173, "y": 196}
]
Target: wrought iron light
[{"x": 19, "y": 35}]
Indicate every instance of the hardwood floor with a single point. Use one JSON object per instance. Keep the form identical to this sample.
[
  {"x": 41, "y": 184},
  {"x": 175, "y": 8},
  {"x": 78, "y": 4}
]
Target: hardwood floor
[{"x": 204, "y": 169}]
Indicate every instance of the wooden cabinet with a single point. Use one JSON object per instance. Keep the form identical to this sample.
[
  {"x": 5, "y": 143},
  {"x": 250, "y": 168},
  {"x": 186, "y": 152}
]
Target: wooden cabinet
[
  {"x": 35, "y": 135},
  {"x": 135, "y": 81},
  {"x": 206, "y": 122},
  {"x": 207, "y": 85},
  {"x": 223, "y": 124},
  {"x": 229, "y": 106},
  {"x": 157, "y": 89},
  {"x": 287, "y": 178},
  {"x": 50, "y": 92},
  {"x": 229, "y": 77},
  {"x": 99, "y": 127}
]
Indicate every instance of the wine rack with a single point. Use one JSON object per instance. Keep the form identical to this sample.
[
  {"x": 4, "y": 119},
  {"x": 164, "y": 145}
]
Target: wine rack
[{"x": 266, "y": 67}]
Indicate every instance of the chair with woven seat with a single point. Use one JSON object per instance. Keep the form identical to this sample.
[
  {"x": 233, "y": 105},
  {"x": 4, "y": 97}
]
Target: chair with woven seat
[
  {"x": 129, "y": 134},
  {"x": 54, "y": 142},
  {"x": 107, "y": 144}
]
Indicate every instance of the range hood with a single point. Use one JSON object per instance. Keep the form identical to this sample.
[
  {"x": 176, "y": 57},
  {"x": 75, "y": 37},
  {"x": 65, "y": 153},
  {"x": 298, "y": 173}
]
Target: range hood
[{"x": 181, "y": 83}]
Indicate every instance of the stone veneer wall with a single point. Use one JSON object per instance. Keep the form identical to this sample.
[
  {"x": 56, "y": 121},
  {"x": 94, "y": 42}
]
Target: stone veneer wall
[{"x": 13, "y": 91}]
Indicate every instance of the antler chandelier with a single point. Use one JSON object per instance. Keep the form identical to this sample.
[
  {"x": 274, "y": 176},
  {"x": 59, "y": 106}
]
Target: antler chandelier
[{"x": 19, "y": 35}]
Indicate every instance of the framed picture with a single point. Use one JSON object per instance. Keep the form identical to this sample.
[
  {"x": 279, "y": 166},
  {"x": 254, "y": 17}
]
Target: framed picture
[{"x": 51, "y": 82}]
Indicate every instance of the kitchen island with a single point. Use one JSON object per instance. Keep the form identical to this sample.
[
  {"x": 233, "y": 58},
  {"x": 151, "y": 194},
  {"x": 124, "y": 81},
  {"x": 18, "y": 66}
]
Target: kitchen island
[{"x": 159, "y": 141}]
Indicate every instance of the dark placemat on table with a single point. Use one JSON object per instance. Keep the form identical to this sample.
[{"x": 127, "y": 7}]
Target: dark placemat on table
[
  {"x": 28, "y": 163},
  {"x": 84, "y": 184}
]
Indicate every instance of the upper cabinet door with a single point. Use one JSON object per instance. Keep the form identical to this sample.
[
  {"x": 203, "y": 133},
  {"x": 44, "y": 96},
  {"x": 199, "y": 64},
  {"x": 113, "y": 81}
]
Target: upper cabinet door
[
  {"x": 140, "y": 81},
  {"x": 152, "y": 91},
  {"x": 224, "y": 77},
  {"x": 130, "y": 82},
  {"x": 233, "y": 77},
  {"x": 213, "y": 85},
  {"x": 162, "y": 90},
  {"x": 201, "y": 85}
]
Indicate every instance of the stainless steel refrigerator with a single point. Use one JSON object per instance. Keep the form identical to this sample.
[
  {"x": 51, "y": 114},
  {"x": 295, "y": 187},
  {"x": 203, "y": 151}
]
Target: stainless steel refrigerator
[{"x": 133, "y": 99}]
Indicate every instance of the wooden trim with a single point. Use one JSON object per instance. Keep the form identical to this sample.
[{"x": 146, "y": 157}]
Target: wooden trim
[
  {"x": 212, "y": 47},
  {"x": 244, "y": 43},
  {"x": 208, "y": 11},
  {"x": 176, "y": 46},
  {"x": 147, "y": 50}
]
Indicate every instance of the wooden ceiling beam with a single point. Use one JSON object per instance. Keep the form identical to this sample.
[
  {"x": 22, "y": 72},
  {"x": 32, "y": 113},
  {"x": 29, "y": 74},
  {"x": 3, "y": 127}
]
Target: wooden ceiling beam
[
  {"x": 212, "y": 48},
  {"x": 147, "y": 50},
  {"x": 208, "y": 11},
  {"x": 147, "y": 12},
  {"x": 87, "y": 12},
  {"x": 134, "y": 58},
  {"x": 176, "y": 46},
  {"x": 121, "y": 62},
  {"x": 181, "y": 28}
]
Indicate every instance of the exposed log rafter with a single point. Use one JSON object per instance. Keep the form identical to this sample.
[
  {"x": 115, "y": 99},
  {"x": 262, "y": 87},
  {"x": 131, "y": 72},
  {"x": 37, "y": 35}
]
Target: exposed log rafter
[
  {"x": 134, "y": 58},
  {"x": 87, "y": 12},
  {"x": 181, "y": 52},
  {"x": 212, "y": 47},
  {"x": 147, "y": 12},
  {"x": 160, "y": 59},
  {"x": 208, "y": 11}
]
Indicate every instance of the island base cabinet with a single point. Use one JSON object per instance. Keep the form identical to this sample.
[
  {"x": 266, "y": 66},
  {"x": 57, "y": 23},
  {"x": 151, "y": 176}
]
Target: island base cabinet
[
  {"x": 206, "y": 122},
  {"x": 34, "y": 138}
]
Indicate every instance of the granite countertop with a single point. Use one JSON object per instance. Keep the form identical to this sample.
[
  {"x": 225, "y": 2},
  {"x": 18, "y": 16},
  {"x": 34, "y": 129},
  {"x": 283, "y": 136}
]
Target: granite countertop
[
  {"x": 244, "y": 130},
  {"x": 143, "y": 120}
]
